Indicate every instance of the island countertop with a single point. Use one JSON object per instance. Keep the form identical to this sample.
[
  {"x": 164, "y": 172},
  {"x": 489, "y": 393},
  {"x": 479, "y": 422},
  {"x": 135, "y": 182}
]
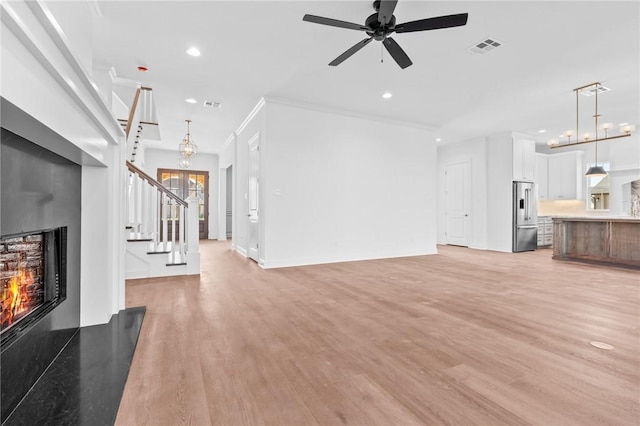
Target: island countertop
[
  {"x": 594, "y": 218},
  {"x": 611, "y": 240}
]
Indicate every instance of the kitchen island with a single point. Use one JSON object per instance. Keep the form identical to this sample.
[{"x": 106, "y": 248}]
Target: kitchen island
[{"x": 607, "y": 240}]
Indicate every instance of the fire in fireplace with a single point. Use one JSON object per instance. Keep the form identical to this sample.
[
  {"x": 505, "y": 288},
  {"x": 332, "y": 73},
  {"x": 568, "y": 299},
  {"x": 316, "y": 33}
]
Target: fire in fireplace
[
  {"x": 21, "y": 277},
  {"x": 30, "y": 277}
]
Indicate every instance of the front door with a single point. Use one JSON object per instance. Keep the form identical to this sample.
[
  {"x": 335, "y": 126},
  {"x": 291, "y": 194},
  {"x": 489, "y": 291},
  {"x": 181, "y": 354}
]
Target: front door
[
  {"x": 458, "y": 201},
  {"x": 254, "y": 197},
  {"x": 186, "y": 183}
]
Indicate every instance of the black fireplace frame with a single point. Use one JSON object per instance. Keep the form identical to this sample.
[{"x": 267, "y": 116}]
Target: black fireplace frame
[{"x": 55, "y": 268}]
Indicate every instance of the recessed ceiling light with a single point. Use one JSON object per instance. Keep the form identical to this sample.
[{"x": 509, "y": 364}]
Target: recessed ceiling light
[
  {"x": 193, "y": 51},
  {"x": 623, "y": 124},
  {"x": 191, "y": 100},
  {"x": 542, "y": 131},
  {"x": 438, "y": 139},
  {"x": 386, "y": 95}
]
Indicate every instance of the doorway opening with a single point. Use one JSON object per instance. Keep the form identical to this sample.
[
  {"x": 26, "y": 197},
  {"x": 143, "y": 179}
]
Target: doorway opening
[
  {"x": 254, "y": 198},
  {"x": 185, "y": 184},
  {"x": 229, "y": 212}
]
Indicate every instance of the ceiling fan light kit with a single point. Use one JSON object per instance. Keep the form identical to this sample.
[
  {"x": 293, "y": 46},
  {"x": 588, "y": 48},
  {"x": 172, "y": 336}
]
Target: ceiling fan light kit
[{"x": 380, "y": 25}]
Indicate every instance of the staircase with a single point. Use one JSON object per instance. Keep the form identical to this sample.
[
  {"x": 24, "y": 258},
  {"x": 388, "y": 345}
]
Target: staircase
[
  {"x": 162, "y": 229},
  {"x": 141, "y": 117}
]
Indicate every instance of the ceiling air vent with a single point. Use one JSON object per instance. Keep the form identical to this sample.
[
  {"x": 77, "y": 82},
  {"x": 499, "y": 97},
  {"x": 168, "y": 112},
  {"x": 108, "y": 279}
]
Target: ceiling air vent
[
  {"x": 212, "y": 104},
  {"x": 594, "y": 89},
  {"x": 485, "y": 46}
]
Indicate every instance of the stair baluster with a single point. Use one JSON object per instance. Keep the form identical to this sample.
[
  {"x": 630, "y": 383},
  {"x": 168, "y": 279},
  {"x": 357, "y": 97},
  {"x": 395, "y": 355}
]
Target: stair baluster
[
  {"x": 173, "y": 231},
  {"x": 164, "y": 208},
  {"x": 183, "y": 233}
]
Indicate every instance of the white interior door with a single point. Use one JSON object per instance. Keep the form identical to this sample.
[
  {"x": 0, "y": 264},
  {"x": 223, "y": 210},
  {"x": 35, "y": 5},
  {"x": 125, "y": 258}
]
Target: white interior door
[
  {"x": 254, "y": 197},
  {"x": 458, "y": 202}
]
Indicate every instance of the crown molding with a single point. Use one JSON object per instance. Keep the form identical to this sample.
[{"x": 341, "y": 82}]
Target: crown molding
[
  {"x": 256, "y": 109},
  {"x": 348, "y": 113}
]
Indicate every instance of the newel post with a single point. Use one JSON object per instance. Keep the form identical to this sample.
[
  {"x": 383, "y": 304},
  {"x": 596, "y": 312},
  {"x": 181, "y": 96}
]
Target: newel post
[{"x": 193, "y": 237}]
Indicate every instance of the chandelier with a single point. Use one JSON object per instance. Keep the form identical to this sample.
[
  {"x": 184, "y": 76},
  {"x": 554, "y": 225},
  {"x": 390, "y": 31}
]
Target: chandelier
[
  {"x": 187, "y": 149},
  {"x": 625, "y": 129}
]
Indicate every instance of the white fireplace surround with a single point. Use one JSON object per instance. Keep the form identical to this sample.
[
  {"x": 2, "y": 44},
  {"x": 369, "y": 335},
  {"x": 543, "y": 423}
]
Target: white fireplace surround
[{"x": 48, "y": 98}]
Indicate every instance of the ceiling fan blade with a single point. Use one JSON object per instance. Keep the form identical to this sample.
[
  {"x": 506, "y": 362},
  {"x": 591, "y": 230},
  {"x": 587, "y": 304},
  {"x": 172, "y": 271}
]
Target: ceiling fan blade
[
  {"x": 340, "y": 59},
  {"x": 334, "y": 22},
  {"x": 386, "y": 10},
  {"x": 397, "y": 53},
  {"x": 437, "y": 23}
]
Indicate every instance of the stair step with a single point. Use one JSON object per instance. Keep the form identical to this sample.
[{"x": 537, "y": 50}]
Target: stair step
[
  {"x": 128, "y": 227},
  {"x": 158, "y": 252},
  {"x": 138, "y": 240},
  {"x": 176, "y": 264}
]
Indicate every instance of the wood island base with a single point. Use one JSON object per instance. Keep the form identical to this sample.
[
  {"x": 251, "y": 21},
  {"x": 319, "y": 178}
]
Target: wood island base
[{"x": 613, "y": 241}]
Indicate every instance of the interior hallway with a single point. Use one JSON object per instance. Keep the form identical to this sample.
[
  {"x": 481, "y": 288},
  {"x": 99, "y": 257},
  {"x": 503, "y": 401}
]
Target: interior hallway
[{"x": 463, "y": 337}]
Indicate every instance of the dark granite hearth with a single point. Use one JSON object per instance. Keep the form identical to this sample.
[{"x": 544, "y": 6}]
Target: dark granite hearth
[{"x": 84, "y": 384}]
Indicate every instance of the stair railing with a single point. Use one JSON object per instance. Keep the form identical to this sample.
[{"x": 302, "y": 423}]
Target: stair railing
[
  {"x": 154, "y": 212},
  {"x": 142, "y": 113}
]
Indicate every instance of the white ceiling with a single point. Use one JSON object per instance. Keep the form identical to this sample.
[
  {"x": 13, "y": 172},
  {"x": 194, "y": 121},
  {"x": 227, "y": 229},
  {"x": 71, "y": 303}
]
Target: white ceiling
[{"x": 252, "y": 49}]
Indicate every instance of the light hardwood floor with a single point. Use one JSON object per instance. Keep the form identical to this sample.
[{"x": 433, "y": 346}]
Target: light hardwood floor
[{"x": 463, "y": 337}]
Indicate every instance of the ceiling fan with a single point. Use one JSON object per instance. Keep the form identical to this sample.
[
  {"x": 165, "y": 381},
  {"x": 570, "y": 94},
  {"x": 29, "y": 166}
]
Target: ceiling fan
[{"x": 382, "y": 23}]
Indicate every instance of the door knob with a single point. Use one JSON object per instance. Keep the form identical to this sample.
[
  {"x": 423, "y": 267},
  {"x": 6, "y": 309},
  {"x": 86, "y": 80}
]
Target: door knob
[{"x": 466, "y": 215}]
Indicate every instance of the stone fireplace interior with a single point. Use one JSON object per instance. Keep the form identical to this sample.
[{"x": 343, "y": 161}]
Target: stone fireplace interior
[{"x": 32, "y": 280}]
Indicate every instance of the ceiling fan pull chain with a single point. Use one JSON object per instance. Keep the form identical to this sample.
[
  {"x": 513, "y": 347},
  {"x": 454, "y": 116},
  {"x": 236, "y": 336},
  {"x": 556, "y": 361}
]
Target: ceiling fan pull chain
[{"x": 381, "y": 54}]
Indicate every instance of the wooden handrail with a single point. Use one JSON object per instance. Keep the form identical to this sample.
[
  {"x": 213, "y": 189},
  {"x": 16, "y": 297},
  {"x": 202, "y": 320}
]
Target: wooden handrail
[
  {"x": 132, "y": 112},
  {"x": 132, "y": 168}
]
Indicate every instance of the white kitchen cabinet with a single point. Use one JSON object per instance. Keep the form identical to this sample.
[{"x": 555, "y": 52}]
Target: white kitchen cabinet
[
  {"x": 545, "y": 231},
  {"x": 565, "y": 176},
  {"x": 541, "y": 176},
  {"x": 524, "y": 159}
]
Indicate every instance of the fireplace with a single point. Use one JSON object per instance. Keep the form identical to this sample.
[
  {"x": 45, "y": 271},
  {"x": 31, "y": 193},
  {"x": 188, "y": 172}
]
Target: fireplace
[
  {"x": 32, "y": 278},
  {"x": 40, "y": 218}
]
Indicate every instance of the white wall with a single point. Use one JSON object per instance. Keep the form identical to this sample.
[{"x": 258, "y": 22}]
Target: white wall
[
  {"x": 499, "y": 192},
  {"x": 475, "y": 153},
  {"x": 102, "y": 235},
  {"x": 155, "y": 159},
  {"x": 225, "y": 191},
  {"x": 340, "y": 188}
]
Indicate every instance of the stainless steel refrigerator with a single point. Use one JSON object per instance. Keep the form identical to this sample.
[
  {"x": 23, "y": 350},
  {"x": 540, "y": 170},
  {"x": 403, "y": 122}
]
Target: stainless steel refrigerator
[{"x": 525, "y": 217}]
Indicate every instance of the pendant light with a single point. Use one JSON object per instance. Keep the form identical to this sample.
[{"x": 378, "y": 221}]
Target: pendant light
[
  {"x": 187, "y": 148},
  {"x": 625, "y": 128},
  {"x": 596, "y": 170}
]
